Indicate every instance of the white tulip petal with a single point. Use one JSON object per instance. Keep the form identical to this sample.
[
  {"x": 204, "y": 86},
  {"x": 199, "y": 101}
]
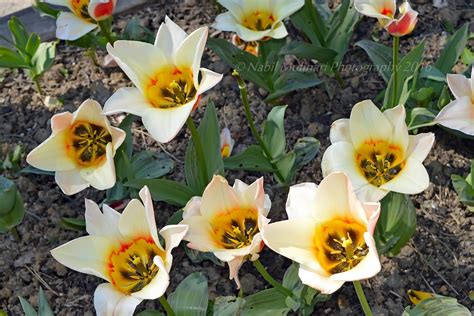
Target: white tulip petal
[
  {"x": 61, "y": 121},
  {"x": 145, "y": 196},
  {"x": 128, "y": 100},
  {"x": 284, "y": 8},
  {"x": 199, "y": 234},
  {"x": 189, "y": 52},
  {"x": 164, "y": 124},
  {"x": 340, "y": 157},
  {"x": 458, "y": 115},
  {"x": 218, "y": 197},
  {"x": 102, "y": 223},
  {"x": 158, "y": 285},
  {"x": 164, "y": 40},
  {"x": 420, "y": 146},
  {"x": 234, "y": 7},
  {"x": 370, "y": 193},
  {"x": 70, "y": 182},
  {"x": 459, "y": 85},
  {"x": 234, "y": 267},
  {"x": 193, "y": 207},
  {"x": 226, "y": 22},
  {"x": 102, "y": 177},
  {"x": 367, "y": 268},
  {"x": 340, "y": 131},
  {"x": 173, "y": 235},
  {"x": 70, "y": 27},
  {"x": 367, "y": 123},
  {"x": 51, "y": 155},
  {"x": 318, "y": 280},
  {"x": 300, "y": 247},
  {"x": 178, "y": 35},
  {"x": 396, "y": 116},
  {"x": 412, "y": 179},
  {"x": 88, "y": 254},
  {"x": 208, "y": 81},
  {"x": 118, "y": 137},
  {"x": 109, "y": 301},
  {"x": 62, "y": 3},
  {"x": 301, "y": 200},
  {"x": 249, "y": 35},
  {"x": 374, "y": 8},
  {"x": 278, "y": 31},
  {"x": 372, "y": 213},
  {"x": 90, "y": 111},
  {"x": 139, "y": 70}
]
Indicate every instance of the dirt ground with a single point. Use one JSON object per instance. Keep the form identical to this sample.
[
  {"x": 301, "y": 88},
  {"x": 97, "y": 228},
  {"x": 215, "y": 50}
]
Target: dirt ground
[{"x": 439, "y": 258}]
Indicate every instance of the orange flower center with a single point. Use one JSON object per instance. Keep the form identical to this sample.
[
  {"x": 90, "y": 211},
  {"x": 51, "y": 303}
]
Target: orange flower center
[
  {"x": 379, "y": 161},
  {"x": 339, "y": 244},
  {"x": 131, "y": 267},
  {"x": 170, "y": 87},
  {"x": 259, "y": 21},
  {"x": 81, "y": 9},
  {"x": 387, "y": 12},
  {"x": 236, "y": 228},
  {"x": 87, "y": 143}
]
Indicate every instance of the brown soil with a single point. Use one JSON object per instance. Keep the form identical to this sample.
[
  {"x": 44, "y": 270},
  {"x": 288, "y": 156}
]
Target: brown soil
[{"x": 439, "y": 258}]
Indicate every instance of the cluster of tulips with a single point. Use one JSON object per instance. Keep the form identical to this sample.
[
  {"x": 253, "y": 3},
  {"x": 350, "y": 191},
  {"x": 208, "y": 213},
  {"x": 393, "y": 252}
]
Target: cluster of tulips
[{"x": 330, "y": 227}]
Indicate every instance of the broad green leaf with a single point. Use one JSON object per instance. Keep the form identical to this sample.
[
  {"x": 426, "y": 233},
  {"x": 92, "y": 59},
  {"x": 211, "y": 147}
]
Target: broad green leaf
[
  {"x": 228, "y": 306},
  {"x": 150, "y": 165},
  {"x": 419, "y": 117},
  {"x": 307, "y": 20},
  {"x": 191, "y": 296},
  {"x": 246, "y": 64},
  {"x": 44, "y": 57},
  {"x": 209, "y": 134},
  {"x": 309, "y": 51},
  {"x": 123, "y": 156},
  {"x": 11, "y": 59},
  {"x": 168, "y": 191},
  {"x": 117, "y": 193},
  {"x": 292, "y": 81},
  {"x": 286, "y": 165},
  {"x": 13, "y": 216},
  {"x": 44, "y": 9},
  {"x": 176, "y": 218},
  {"x": 453, "y": 50},
  {"x": 423, "y": 95},
  {"x": 150, "y": 312},
  {"x": 8, "y": 191},
  {"x": 274, "y": 131},
  {"x": 467, "y": 56},
  {"x": 43, "y": 306},
  {"x": 396, "y": 224},
  {"x": 27, "y": 308},
  {"x": 464, "y": 188},
  {"x": 251, "y": 159},
  {"x": 380, "y": 55},
  {"x": 406, "y": 67},
  {"x": 268, "y": 302},
  {"x": 433, "y": 74},
  {"x": 33, "y": 44},
  {"x": 437, "y": 306},
  {"x": 135, "y": 31},
  {"x": 306, "y": 149},
  {"x": 19, "y": 34},
  {"x": 76, "y": 224},
  {"x": 33, "y": 170}
]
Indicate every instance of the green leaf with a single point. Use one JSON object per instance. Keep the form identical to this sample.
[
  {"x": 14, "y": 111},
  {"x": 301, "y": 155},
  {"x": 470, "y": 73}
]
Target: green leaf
[
  {"x": 19, "y": 34},
  {"x": 76, "y": 224},
  {"x": 176, "y": 218},
  {"x": 45, "y": 9},
  {"x": 286, "y": 165},
  {"x": 168, "y": 191},
  {"x": 420, "y": 117},
  {"x": 467, "y": 56},
  {"x": 396, "y": 224},
  {"x": 43, "y": 307},
  {"x": 464, "y": 188},
  {"x": 27, "y": 308},
  {"x": 150, "y": 312},
  {"x": 437, "y": 306},
  {"x": 307, "y": 20},
  {"x": 268, "y": 302},
  {"x": 191, "y": 296},
  {"x": 406, "y": 67},
  {"x": 134, "y": 31},
  {"x": 306, "y": 149},
  {"x": 8, "y": 191},
  {"x": 292, "y": 81},
  {"x": 198, "y": 256},
  {"x": 14, "y": 216},
  {"x": 44, "y": 57},
  {"x": 209, "y": 134},
  {"x": 11, "y": 59},
  {"x": 123, "y": 155},
  {"x": 150, "y": 165},
  {"x": 246, "y": 64},
  {"x": 380, "y": 55},
  {"x": 33, "y": 170},
  {"x": 251, "y": 159},
  {"x": 453, "y": 50},
  {"x": 309, "y": 51},
  {"x": 228, "y": 306},
  {"x": 33, "y": 44},
  {"x": 274, "y": 131}
]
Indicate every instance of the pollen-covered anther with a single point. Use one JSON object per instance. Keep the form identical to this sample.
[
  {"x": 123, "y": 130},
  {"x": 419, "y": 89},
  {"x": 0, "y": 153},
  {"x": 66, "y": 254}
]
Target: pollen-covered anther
[
  {"x": 89, "y": 142},
  {"x": 81, "y": 9},
  {"x": 236, "y": 229},
  {"x": 259, "y": 21}
]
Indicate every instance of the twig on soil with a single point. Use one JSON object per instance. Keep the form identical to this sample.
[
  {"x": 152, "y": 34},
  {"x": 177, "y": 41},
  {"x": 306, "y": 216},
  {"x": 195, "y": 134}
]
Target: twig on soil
[
  {"x": 433, "y": 268},
  {"x": 397, "y": 295},
  {"x": 445, "y": 245},
  {"x": 41, "y": 280},
  {"x": 143, "y": 134},
  {"x": 33, "y": 215},
  {"x": 427, "y": 284}
]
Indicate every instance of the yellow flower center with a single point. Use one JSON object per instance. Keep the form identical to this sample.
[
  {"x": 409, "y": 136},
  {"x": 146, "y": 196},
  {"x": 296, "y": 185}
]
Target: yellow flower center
[
  {"x": 131, "y": 267},
  {"x": 170, "y": 87},
  {"x": 87, "y": 143},
  {"x": 259, "y": 21},
  {"x": 380, "y": 161},
  {"x": 80, "y": 8},
  {"x": 339, "y": 244},
  {"x": 225, "y": 151},
  {"x": 236, "y": 228}
]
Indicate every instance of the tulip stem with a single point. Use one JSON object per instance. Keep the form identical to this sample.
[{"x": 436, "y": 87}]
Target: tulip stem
[
  {"x": 164, "y": 302},
  {"x": 396, "y": 45},
  {"x": 38, "y": 85},
  {"x": 277, "y": 285},
  {"x": 362, "y": 298},
  {"x": 199, "y": 151},
  {"x": 105, "y": 29},
  {"x": 253, "y": 129}
]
